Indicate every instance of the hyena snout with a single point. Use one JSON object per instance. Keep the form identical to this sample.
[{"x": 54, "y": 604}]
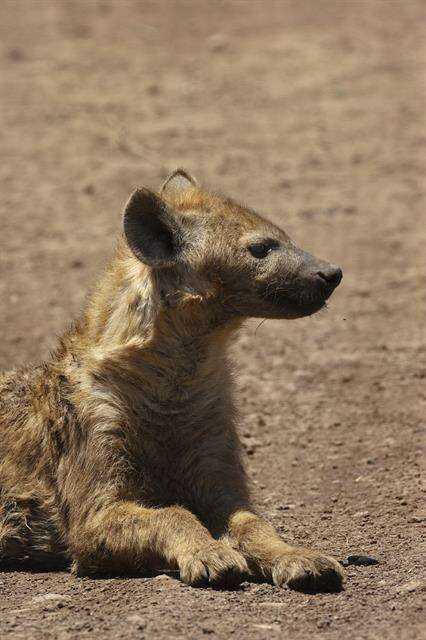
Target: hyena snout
[
  {"x": 305, "y": 286},
  {"x": 323, "y": 275},
  {"x": 316, "y": 280}
]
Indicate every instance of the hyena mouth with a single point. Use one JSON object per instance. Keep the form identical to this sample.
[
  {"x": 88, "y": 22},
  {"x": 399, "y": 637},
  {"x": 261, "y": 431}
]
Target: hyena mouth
[
  {"x": 307, "y": 292},
  {"x": 292, "y": 305}
]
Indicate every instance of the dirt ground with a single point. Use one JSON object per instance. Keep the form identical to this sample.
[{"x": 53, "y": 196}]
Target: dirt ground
[{"x": 313, "y": 113}]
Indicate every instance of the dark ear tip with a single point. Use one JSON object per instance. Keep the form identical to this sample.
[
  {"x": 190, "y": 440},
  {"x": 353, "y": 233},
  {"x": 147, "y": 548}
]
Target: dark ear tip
[{"x": 140, "y": 199}]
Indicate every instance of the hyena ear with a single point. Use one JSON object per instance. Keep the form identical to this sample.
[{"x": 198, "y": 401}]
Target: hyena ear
[
  {"x": 151, "y": 230},
  {"x": 179, "y": 180}
]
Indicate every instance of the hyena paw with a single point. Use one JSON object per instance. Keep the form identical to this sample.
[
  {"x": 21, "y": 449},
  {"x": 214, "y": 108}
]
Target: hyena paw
[
  {"x": 307, "y": 570},
  {"x": 215, "y": 565}
]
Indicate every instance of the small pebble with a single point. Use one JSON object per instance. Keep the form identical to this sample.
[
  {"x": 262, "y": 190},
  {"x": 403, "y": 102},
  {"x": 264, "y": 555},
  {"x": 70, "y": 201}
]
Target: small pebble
[
  {"x": 413, "y": 585},
  {"x": 267, "y": 627},
  {"x": 46, "y": 597},
  {"x": 217, "y": 42},
  {"x": 417, "y": 519},
  {"x": 137, "y": 621}
]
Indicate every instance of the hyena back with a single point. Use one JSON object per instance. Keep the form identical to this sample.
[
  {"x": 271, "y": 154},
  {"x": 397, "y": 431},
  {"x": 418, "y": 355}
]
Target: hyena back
[{"x": 120, "y": 454}]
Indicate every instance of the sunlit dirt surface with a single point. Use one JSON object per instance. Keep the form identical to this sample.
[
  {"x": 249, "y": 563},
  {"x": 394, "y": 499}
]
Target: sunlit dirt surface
[{"x": 313, "y": 113}]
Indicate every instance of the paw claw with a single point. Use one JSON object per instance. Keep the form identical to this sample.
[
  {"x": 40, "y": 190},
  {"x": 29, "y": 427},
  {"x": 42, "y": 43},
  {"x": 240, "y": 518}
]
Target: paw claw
[
  {"x": 308, "y": 571},
  {"x": 218, "y": 566}
]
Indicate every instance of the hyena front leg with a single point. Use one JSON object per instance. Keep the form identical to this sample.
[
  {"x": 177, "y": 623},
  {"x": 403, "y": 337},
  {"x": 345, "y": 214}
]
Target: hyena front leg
[
  {"x": 126, "y": 536},
  {"x": 269, "y": 557}
]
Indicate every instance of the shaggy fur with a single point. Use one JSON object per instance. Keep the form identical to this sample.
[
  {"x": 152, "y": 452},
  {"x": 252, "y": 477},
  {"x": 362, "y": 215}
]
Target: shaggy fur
[{"x": 120, "y": 454}]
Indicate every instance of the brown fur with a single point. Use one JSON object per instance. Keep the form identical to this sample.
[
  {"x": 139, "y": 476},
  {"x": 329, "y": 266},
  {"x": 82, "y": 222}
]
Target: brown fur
[{"x": 120, "y": 454}]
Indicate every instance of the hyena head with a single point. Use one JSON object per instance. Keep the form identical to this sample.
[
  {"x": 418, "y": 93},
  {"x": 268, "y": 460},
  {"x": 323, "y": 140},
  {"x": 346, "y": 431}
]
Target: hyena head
[{"x": 226, "y": 254}]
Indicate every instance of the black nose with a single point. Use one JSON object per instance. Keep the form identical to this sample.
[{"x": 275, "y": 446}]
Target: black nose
[{"x": 331, "y": 274}]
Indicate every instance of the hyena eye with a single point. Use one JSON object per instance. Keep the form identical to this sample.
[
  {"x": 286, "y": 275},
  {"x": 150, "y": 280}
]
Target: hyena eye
[{"x": 259, "y": 250}]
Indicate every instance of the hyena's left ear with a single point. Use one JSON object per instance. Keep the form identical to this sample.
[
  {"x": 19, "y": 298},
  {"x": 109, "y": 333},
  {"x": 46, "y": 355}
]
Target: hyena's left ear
[
  {"x": 151, "y": 230},
  {"x": 179, "y": 180}
]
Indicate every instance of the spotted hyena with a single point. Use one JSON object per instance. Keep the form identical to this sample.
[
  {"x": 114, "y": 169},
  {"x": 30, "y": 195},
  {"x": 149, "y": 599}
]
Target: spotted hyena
[{"x": 120, "y": 454}]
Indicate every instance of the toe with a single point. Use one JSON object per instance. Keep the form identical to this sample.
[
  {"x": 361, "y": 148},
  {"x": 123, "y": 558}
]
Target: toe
[
  {"x": 229, "y": 578},
  {"x": 195, "y": 574},
  {"x": 229, "y": 572},
  {"x": 218, "y": 566},
  {"x": 309, "y": 574}
]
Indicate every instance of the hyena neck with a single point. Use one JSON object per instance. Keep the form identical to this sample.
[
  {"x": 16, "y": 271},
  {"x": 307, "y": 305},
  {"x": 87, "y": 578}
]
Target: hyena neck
[{"x": 139, "y": 320}]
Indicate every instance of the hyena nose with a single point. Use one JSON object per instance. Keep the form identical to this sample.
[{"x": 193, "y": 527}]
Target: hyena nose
[{"x": 331, "y": 274}]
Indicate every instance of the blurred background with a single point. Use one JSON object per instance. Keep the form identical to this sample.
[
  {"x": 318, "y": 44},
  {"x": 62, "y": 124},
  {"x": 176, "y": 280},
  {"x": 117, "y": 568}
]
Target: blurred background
[{"x": 312, "y": 112}]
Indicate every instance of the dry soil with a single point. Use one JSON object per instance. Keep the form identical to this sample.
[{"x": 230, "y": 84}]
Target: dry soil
[{"x": 313, "y": 113}]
